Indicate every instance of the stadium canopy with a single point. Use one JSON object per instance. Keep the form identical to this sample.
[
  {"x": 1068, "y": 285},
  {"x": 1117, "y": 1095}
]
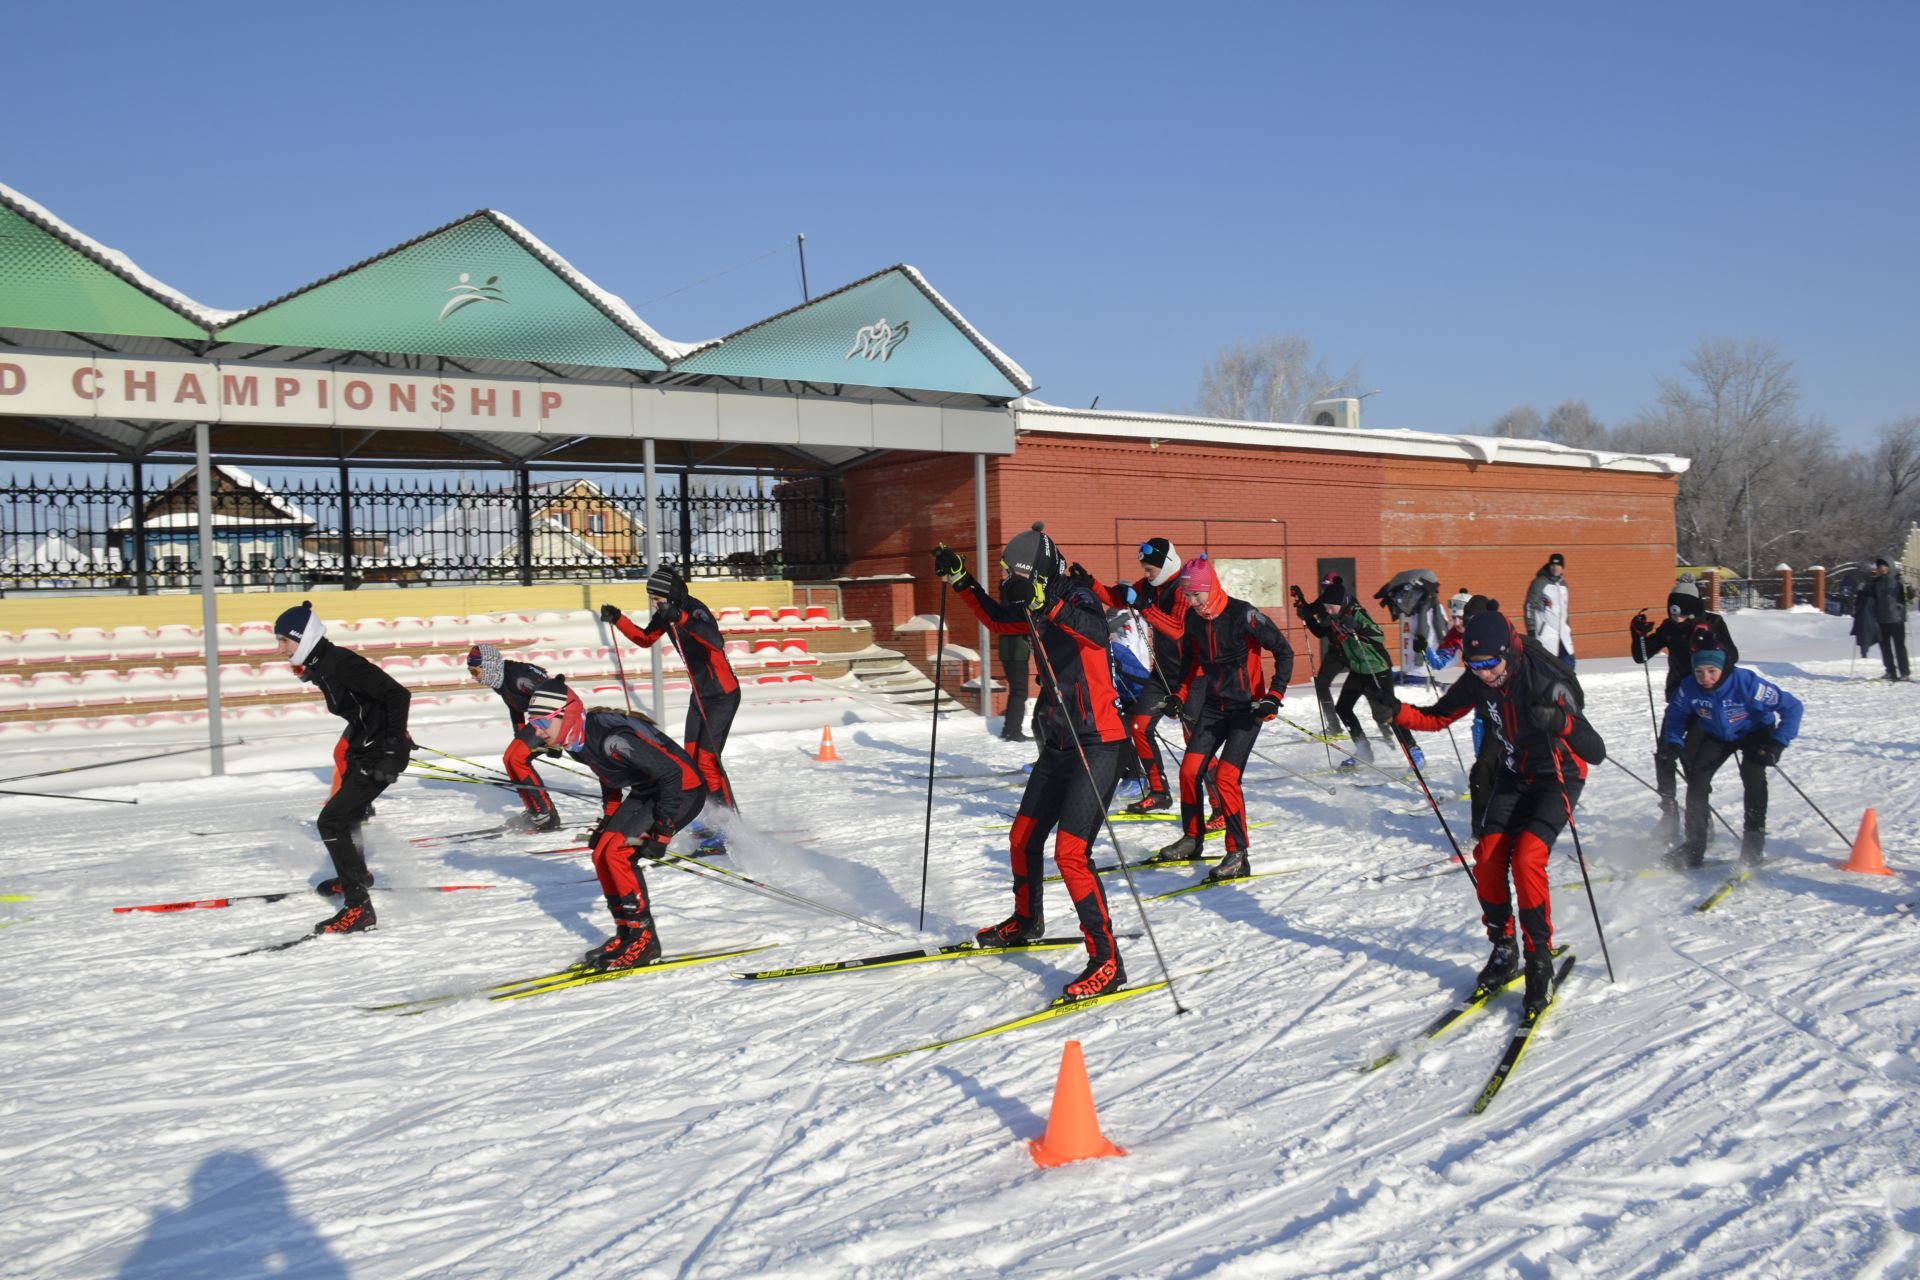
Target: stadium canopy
[{"x": 475, "y": 342}]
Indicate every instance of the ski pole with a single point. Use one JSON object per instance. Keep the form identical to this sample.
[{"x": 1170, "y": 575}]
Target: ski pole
[
  {"x": 720, "y": 875},
  {"x": 488, "y": 768},
  {"x": 1582, "y": 857},
  {"x": 1033, "y": 631},
  {"x": 1313, "y": 671},
  {"x": 108, "y": 764},
  {"x": 1640, "y": 644},
  {"x": 1649, "y": 786},
  {"x": 448, "y": 775},
  {"x": 1433, "y": 687},
  {"x": 1269, "y": 760},
  {"x": 933, "y": 748},
  {"x": 1365, "y": 764},
  {"x": 53, "y": 795},
  {"x": 1811, "y": 805},
  {"x": 1435, "y": 806},
  {"x": 619, "y": 670}
]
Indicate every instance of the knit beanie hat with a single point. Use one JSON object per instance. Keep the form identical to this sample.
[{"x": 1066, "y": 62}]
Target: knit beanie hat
[
  {"x": 664, "y": 581},
  {"x": 1199, "y": 576},
  {"x": 302, "y": 624},
  {"x": 1488, "y": 638},
  {"x": 1333, "y": 590},
  {"x": 486, "y": 659},
  {"x": 1158, "y": 555}
]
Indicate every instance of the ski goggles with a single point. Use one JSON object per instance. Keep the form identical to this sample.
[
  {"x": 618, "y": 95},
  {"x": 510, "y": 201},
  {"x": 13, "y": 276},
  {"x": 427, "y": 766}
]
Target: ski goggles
[
  {"x": 1486, "y": 664},
  {"x": 1148, "y": 549}
]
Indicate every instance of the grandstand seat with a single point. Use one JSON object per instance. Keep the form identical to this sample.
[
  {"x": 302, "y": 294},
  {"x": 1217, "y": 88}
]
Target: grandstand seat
[
  {"x": 794, "y": 650},
  {"x": 787, "y": 613},
  {"x": 817, "y": 615},
  {"x": 399, "y": 663},
  {"x": 730, "y": 614},
  {"x": 53, "y": 691},
  {"x": 759, "y": 613}
]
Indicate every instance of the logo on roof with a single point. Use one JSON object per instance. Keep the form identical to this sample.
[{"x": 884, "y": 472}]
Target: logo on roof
[
  {"x": 467, "y": 292},
  {"x": 876, "y": 341}
]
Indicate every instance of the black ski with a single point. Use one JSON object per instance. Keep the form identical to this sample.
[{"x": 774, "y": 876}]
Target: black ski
[
  {"x": 952, "y": 951},
  {"x": 1467, "y": 1009},
  {"x": 1522, "y": 1037}
]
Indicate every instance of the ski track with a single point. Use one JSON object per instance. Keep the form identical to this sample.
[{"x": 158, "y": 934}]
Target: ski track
[{"x": 1740, "y": 1101}]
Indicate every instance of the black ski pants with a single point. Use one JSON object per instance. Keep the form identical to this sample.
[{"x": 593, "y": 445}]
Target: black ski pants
[
  {"x": 1229, "y": 733},
  {"x": 1058, "y": 795},
  {"x": 1016, "y": 661},
  {"x": 1702, "y": 757},
  {"x": 1666, "y": 773},
  {"x": 339, "y": 825},
  {"x": 1378, "y": 691},
  {"x": 709, "y": 720},
  {"x": 1332, "y": 664},
  {"x": 1893, "y": 649}
]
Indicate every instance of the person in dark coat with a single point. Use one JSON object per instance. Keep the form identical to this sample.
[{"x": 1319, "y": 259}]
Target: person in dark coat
[
  {"x": 372, "y": 752},
  {"x": 515, "y": 683},
  {"x": 1679, "y": 634},
  {"x": 1883, "y": 601}
]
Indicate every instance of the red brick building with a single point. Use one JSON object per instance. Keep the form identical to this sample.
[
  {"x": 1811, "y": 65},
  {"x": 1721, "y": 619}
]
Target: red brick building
[{"x": 1482, "y": 513}]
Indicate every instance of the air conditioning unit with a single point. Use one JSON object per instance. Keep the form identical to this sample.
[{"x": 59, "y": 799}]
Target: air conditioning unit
[{"x": 1334, "y": 413}]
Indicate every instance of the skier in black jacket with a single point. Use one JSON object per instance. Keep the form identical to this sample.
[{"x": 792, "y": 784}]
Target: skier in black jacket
[
  {"x": 515, "y": 683},
  {"x": 663, "y": 791},
  {"x": 370, "y": 756},
  {"x": 1078, "y": 712},
  {"x": 1686, "y": 614},
  {"x": 1224, "y": 637},
  {"x": 1884, "y": 597},
  {"x": 1533, "y": 707},
  {"x": 716, "y": 690}
]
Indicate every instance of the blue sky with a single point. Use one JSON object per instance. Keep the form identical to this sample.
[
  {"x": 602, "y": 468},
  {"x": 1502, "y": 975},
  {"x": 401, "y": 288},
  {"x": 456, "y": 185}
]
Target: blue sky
[{"x": 1486, "y": 204}]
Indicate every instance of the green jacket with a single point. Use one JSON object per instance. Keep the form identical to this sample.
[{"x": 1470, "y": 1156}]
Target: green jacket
[{"x": 1361, "y": 642}]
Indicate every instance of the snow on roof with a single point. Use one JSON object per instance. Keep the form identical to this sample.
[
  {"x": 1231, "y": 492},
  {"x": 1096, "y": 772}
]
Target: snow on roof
[
  {"x": 115, "y": 261},
  {"x": 1036, "y": 415},
  {"x": 276, "y": 504},
  {"x": 613, "y": 303},
  {"x": 1018, "y": 376}
]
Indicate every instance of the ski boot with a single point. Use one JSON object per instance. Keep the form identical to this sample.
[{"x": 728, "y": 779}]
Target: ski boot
[
  {"x": 527, "y": 822},
  {"x": 333, "y": 886},
  {"x": 1216, "y": 821},
  {"x": 1501, "y": 966},
  {"x": 1539, "y": 984},
  {"x": 1666, "y": 830},
  {"x": 1232, "y": 867},
  {"x": 635, "y": 946},
  {"x": 1014, "y": 929},
  {"x": 355, "y": 917},
  {"x": 1362, "y": 753},
  {"x": 1685, "y": 857},
  {"x": 1130, "y": 787},
  {"x": 1753, "y": 847},
  {"x": 1185, "y": 849},
  {"x": 1151, "y": 802},
  {"x": 1097, "y": 979}
]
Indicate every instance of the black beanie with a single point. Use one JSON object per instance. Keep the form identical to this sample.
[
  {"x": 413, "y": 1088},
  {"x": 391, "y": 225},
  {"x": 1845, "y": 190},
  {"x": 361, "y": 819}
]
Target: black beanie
[
  {"x": 665, "y": 582},
  {"x": 1488, "y": 635}
]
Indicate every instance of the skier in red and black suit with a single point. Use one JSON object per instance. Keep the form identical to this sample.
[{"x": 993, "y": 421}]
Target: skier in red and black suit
[
  {"x": 372, "y": 753},
  {"x": 1543, "y": 746},
  {"x": 1686, "y": 613},
  {"x": 1080, "y": 713},
  {"x": 716, "y": 690},
  {"x": 663, "y": 789},
  {"x": 1223, "y": 640},
  {"x": 1156, "y": 598},
  {"x": 515, "y": 683}
]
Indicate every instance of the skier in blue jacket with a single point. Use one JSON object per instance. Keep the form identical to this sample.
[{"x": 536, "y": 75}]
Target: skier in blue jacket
[{"x": 1732, "y": 710}]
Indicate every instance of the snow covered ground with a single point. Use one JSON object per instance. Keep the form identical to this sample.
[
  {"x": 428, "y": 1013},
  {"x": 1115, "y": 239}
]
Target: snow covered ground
[{"x": 1740, "y": 1101}]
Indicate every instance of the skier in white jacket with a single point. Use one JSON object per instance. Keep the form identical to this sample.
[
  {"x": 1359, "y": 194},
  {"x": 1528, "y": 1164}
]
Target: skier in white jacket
[{"x": 1547, "y": 615}]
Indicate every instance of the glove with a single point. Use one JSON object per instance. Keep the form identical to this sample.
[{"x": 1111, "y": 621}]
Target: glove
[
  {"x": 1667, "y": 750},
  {"x": 1173, "y": 706},
  {"x": 1300, "y": 605},
  {"x": 610, "y": 613},
  {"x": 949, "y": 564},
  {"x": 1549, "y": 717},
  {"x": 591, "y": 836},
  {"x": 1037, "y": 602},
  {"x": 1133, "y": 597},
  {"x": 1640, "y": 626},
  {"x": 385, "y": 770},
  {"x": 1266, "y": 707},
  {"x": 1077, "y": 575},
  {"x": 1769, "y": 752},
  {"x": 552, "y": 753}
]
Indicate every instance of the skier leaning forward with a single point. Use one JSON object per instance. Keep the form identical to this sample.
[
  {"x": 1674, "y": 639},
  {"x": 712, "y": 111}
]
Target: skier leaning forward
[
  {"x": 1223, "y": 640},
  {"x": 1532, "y": 704},
  {"x": 663, "y": 792},
  {"x": 515, "y": 682},
  {"x": 1078, "y": 711}
]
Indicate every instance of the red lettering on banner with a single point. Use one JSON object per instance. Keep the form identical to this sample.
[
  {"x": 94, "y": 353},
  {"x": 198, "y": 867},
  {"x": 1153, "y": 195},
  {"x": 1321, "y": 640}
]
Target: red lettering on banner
[
  {"x": 482, "y": 398},
  {"x": 285, "y": 389},
  {"x": 442, "y": 398},
  {"x": 189, "y": 389},
  {"x": 515, "y": 393},
  {"x": 356, "y": 395},
  {"x": 325, "y": 388},
  {"x": 401, "y": 395},
  {"x": 549, "y": 401},
  {"x": 81, "y": 391},
  {"x": 238, "y": 391},
  {"x": 13, "y": 379},
  {"x": 141, "y": 382}
]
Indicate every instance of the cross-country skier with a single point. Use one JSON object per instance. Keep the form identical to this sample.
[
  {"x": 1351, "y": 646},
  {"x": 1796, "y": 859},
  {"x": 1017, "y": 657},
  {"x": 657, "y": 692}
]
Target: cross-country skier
[
  {"x": 372, "y": 753},
  {"x": 1081, "y": 740},
  {"x": 716, "y": 690},
  {"x": 1130, "y": 646},
  {"x": 1676, "y": 633},
  {"x": 515, "y": 683},
  {"x": 1734, "y": 711},
  {"x": 1533, "y": 707},
  {"x": 1223, "y": 640},
  {"x": 1332, "y": 663},
  {"x": 663, "y": 792},
  {"x": 1155, "y": 598},
  {"x": 1548, "y": 618},
  {"x": 1353, "y": 634}
]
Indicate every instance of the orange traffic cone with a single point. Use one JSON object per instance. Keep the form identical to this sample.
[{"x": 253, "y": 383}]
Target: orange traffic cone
[
  {"x": 1073, "y": 1130},
  {"x": 827, "y": 752},
  {"x": 1866, "y": 857}
]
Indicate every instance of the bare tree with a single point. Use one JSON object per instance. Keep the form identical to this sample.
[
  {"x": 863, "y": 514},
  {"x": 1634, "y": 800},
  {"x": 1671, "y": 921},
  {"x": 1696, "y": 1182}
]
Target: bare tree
[
  {"x": 1574, "y": 425},
  {"x": 1522, "y": 422},
  {"x": 1271, "y": 379}
]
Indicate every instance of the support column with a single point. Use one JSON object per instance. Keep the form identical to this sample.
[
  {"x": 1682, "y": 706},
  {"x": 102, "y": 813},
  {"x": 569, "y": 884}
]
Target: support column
[
  {"x": 139, "y": 528},
  {"x": 980, "y": 563},
  {"x": 346, "y": 526},
  {"x": 653, "y": 562},
  {"x": 524, "y": 497},
  {"x": 1786, "y": 587},
  {"x": 1820, "y": 587},
  {"x": 209, "y": 601}
]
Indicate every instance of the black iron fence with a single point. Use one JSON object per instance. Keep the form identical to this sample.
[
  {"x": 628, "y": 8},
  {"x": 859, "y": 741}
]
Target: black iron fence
[{"x": 137, "y": 529}]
